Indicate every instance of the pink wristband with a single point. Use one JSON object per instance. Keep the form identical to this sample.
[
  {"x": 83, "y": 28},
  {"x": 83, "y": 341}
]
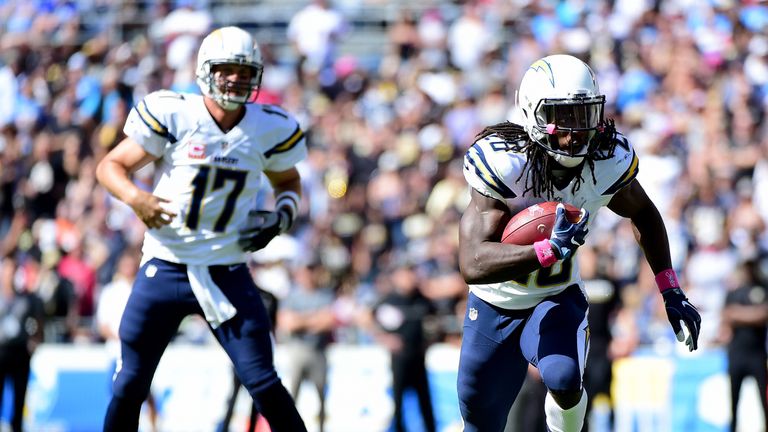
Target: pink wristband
[
  {"x": 667, "y": 279},
  {"x": 544, "y": 253}
]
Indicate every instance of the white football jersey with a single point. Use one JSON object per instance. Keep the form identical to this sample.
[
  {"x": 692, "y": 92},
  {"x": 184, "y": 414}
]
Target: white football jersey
[
  {"x": 495, "y": 171},
  {"x": 210, "y": 177}
]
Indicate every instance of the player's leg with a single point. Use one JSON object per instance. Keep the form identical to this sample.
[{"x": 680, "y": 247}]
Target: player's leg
[
  {"x": 152, "y": 411},
  {"x": 421, "y": 384},
  {"x": 4, "y": 368},
  {"x": 399, "y": 365},
  {"x": 246, "y": 339},
  {"x": 760, "y": 373},
  {"x": 151, "y": 318},
  {"x": 224, "y": 426},
  {"x": 19, "y": 377},
  {"x": 491, "y": 367},
  {"x": 318, "y": 375},
  {"x": 298, "y": 365},
  {"x": 737, "y": 372},
  {"x": 555, "y": 340}
]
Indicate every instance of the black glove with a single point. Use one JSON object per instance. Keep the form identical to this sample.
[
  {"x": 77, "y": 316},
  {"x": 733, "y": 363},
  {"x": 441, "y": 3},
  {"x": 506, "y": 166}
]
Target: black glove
[
  {"x": 262, "y": 226},
  {"x": 679, "y": 309},
  {"x": 566, "y": 236}
]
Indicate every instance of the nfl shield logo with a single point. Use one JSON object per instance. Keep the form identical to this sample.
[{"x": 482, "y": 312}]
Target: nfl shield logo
[
  {"x": 472, "y": 314},
  {"x": 535, "y": 210}
]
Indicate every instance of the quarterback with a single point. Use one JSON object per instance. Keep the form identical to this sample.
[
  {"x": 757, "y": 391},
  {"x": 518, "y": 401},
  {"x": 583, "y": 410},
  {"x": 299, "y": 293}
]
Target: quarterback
[
  {"x": 209, "y": 153},
  {"x": 526, "y": 303}
]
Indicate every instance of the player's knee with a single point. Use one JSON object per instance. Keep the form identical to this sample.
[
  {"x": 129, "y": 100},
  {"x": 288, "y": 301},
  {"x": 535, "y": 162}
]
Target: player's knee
[
  {"x": 130, "y": 391},
  {"x": 131, "y": 387},
  {"x": 566, "y": 399},
  {"x": 467, "y": 389},
  {"x": 561, "y": 373},
  {"x": 271, "y": 396}
]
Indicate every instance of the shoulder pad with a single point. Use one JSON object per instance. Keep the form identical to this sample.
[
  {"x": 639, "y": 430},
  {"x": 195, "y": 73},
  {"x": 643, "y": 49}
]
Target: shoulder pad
[
  {"x": 156, "y": 111},
  {"x": 284, "y": 128},
  {"x": 274, "y": 110},
  {"x": 492, "y": 167},
  {"x": 619, "y": 170}
]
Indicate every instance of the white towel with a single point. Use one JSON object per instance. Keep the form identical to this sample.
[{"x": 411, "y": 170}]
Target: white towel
[{"x": 214, "y": 303}]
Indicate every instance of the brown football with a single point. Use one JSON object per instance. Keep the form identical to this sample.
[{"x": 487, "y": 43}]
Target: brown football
[{"x": 535, "y": 223}]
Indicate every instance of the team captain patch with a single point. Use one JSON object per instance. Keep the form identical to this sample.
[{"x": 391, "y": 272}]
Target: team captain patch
[{"x": 196, "y": 151}]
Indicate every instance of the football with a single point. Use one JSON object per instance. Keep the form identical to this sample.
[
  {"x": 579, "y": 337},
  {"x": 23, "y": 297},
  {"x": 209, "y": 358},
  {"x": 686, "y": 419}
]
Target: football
[{"x": 535, "y": 223}]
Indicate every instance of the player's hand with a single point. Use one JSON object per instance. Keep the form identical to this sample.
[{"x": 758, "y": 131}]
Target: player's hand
[
  {"x": 566, "y": 236},
  {"x": 149, "y": 208},
  {"x": 680, "y": 312},
  {"x": 261, "y": 227}
]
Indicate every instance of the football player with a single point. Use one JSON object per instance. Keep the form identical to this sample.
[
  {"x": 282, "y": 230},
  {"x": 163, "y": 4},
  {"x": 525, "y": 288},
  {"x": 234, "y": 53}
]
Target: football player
[
  {"x": 209, "y": 152},
  {"x": 526, "y": 303}
]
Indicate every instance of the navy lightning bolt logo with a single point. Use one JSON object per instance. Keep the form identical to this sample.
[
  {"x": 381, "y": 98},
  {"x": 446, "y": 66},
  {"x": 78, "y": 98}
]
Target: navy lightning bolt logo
[{"x": 545, "y": 67}]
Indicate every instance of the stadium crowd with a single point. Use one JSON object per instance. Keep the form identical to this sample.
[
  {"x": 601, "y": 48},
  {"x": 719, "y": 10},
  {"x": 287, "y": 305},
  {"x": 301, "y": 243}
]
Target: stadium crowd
[{"x": 685, "y": 81}]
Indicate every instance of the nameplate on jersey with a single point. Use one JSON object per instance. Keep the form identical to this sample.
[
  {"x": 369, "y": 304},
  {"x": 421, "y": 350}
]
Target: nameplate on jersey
[{"x": 225, "y": 160}]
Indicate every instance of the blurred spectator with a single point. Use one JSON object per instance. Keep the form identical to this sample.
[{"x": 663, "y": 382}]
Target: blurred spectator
[
  {"x": 58, "y": 296},
  {"x": 404, "y": 35},
  {"x": 75, "y": 266},
  {"x": 707, "y": 272},
  {"x": 433, "y": 33},
  {"x": 603, "y": 297},
  {"x": 305, "y": 323},
  {"x": 400, "y": 315},
  {"x": 745, "y": 321},
  {"x": 86, "y": 96},
  {"x": 21, "y": 330},
  {"x": 9, "y": 85},
  {"x": 181, "y": 30},
  {"x": 314, "y": 32},
  {"x": 469, "y": 38},
  {"x": 45, "y": 178}
]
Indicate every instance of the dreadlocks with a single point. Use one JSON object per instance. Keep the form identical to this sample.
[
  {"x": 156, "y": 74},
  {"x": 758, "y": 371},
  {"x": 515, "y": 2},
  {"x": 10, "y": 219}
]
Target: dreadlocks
[{"x": 537, "y": 169}]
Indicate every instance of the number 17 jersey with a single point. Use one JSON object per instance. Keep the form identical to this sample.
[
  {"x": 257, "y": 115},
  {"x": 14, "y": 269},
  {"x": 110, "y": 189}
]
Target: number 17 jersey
[{"x": 210, "y": 177}]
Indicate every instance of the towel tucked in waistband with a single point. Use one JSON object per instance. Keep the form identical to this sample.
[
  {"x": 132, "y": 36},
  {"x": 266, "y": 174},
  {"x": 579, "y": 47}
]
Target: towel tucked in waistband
[{"x": 214, "y": 303}]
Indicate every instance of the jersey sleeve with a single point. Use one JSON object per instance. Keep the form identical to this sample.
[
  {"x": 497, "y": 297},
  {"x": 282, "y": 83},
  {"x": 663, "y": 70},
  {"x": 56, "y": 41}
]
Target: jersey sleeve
[
  {"x": 487, "y": 169},
  {"x": 619, "y": 171},
  {"x": 149, "y": 122},
  {"x": 288, "y": 146}
]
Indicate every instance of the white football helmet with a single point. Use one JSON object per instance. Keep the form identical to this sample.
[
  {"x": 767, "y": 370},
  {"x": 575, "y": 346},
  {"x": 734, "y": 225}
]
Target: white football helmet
[
  {"x": 559, "y": 94},
  {"x": 229, "y": 45}
]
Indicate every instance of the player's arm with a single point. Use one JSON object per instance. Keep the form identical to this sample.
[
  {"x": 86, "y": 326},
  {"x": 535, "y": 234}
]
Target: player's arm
[
  {"x": 287, "y": 187},
  {"x": 263, "y": 226},
  {"x": 482, "y": 258},
  {"x": 632, "y": 202},
  {"x": 114, "y": 173},
  {"x": 746, "y": 315}
]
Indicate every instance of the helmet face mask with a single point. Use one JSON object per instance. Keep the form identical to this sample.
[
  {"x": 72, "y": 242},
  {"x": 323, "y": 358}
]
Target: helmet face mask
[
  {"x": 562, "y": 107},
  {"x": 230, "y": 92},
  {"x": 225, "y": 52}
]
